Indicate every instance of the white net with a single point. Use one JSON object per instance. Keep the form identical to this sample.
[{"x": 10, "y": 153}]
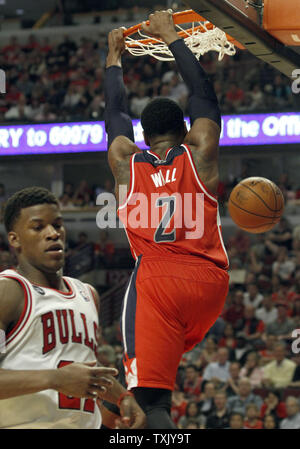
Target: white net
[{"x": 198, "y": 38}]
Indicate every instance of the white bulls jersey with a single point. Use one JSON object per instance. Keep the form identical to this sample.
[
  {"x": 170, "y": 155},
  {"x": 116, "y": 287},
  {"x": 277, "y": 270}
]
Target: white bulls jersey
[{"x": 54, "y": 329}]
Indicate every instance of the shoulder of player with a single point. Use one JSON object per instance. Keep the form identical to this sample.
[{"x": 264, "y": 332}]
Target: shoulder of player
[
  {"x": 203, "y": 138},
  {"x": 121, "y": 149},
  {"x": 11, "y": 299},
  {"x": 10, "y": 288},
  {"x": 206, "y": 168}
]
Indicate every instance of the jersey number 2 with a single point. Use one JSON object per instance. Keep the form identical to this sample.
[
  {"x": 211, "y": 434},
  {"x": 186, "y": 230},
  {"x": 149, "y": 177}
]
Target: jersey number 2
[
  {"x": 71, "y": 403},
  {"x": 160, "y": 234}
]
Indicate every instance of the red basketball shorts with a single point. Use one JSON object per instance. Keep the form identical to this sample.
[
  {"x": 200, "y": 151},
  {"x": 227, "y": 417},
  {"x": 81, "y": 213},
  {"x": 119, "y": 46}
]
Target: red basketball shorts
[{"x": 169, "y": 305}]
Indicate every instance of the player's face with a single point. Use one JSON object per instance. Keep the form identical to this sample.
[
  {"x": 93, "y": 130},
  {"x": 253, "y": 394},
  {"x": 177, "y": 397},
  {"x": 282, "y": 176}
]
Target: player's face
[{"x": 39, "y": 237}]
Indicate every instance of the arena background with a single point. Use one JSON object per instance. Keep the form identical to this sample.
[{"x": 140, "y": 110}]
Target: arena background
[{"x": 51, "y": 134}]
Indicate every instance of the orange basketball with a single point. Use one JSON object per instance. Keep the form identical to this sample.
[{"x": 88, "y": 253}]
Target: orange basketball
[{"x": 256, "y": 204}]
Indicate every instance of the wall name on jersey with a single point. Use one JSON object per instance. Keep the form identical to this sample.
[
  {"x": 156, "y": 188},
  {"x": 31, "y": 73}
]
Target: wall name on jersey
[
  {"x": 64, "y": 326},
  {"x": 160, "y": 180}
]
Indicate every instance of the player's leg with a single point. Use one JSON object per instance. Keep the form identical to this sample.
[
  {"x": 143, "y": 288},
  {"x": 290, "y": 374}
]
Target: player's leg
[
  {"x": 156, "y": 403},
  {"x": 206, "y": 300},
  {"x": 153, "y": 340}
]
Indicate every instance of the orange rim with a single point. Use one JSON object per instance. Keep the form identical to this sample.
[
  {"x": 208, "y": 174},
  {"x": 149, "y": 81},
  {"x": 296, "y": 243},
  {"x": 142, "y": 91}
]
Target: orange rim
[{"x": 179, "y": 18}]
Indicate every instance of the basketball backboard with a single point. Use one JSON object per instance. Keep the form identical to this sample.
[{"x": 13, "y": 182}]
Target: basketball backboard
[{"x": 243, "y": 20}]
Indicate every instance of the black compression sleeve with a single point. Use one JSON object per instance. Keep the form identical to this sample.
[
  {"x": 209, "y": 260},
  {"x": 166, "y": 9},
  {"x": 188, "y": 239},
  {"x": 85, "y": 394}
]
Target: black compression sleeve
[
  {"x": 203, "y": 102},
  {"x": 117, "y": 120}
]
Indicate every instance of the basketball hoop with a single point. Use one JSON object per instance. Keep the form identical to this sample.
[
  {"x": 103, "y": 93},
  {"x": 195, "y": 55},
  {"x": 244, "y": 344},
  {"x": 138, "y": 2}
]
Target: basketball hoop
[{"x": 201, "y": 37}]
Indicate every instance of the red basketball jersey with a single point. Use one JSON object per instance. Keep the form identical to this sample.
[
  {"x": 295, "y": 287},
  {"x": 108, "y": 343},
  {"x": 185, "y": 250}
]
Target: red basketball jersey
[{"x": 168, "y": 209}]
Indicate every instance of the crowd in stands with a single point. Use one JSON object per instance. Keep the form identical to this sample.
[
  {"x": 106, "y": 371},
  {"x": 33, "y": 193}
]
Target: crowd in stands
[{"x": 49, "y": 82}]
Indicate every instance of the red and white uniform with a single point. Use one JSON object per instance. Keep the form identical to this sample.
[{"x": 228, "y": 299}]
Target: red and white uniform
[
  {"x": 179, "y": 285},
  {"x": 55, "y": 328}
]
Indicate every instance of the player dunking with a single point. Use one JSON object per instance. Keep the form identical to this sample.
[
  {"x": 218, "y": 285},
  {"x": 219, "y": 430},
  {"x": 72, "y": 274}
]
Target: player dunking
[
  {"x": 179, "y": 284},
  {"x": 50, "y": 321}
]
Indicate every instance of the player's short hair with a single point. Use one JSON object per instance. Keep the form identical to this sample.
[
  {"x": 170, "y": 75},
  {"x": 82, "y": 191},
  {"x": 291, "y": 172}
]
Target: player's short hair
[
  {"x": 30, "y": 196},
  {"x": 162, "y": 116}
]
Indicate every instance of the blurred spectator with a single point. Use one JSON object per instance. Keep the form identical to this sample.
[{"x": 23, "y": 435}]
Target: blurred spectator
[
  {"x": 219, "y": 418},
  {"x": 241, "y": 242},
  {"x": 282, "y": 293},
  {"x": 206, "y": 399},
  {"x": 252, "y": 417},
  {"x": 192, "y": 382},
  {"x": 236, "y": 421},
  {"x": 267, "y": 353},
  {"x": 193, "y": 424},
  {"x": 293, "y": 415},
  {"x": 283, "y": 267},
  {"x": 296, "y": 377},
  {"x": 191, "y": 411},
  {"x": 279, "y": 373},
  {"x": 295, "y": 308},
  {"x": 208, "y": 354},
  {"x": 104, "y": 248},
  {"x": 280, "y": 91},
  {"x": 82, "y": 242},
  {"x": 66, "y": 202},
  {"x": 282, "y": 235},
  {"x": 267, "y": 312},
  {"x": 253, "y": 297},
  {"x": 83, "y": 195},
  {"x": 229, "y": 340},
  {"x": 234, "y": 96},
  {"x": 243, "y": 347},
  {"x": 252, "y": 370},
  {"x": 217, "y": 329},
  {"x": 192, "y": 357},
  {"x": 179, "y": 404},
  {"x": 231, "y": 387},
  {"x": 46, "y": 114},
  {"x": 179, "y": 91},
  {"x": 273, "y": 406},
  {"x": 251, "y": 327},
  {"x": 238, "y": 403},
  {"x": 282, "y": 326},
  {"x": 235, "y": 312},
  {"x": 140, "y": 101},
  {"x": 69, "y": 189},
  {"x": 218, "y": 372},
  {"x": 257, "y": 97},
  {"x": 270, "y": 422},
  {"x": 20, "y": 111}
]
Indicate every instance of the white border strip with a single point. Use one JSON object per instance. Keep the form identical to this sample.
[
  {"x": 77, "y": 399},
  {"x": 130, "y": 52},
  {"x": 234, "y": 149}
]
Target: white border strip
[
  {"x": 220, "y": 235},
  {"x": 124, "y": 313},
  {"x": 19, "y": 330},
  {"x": 212, "y": 198},
  {"x": 132, "y": 180}
]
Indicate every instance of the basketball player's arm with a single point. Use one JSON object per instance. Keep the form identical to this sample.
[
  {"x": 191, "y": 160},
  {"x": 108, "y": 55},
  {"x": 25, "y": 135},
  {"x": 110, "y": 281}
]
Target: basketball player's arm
[
  {"x": 76, "y": 379},
  {"x": 118, "y": 124},
  {"x": 131, "y": 415}
]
